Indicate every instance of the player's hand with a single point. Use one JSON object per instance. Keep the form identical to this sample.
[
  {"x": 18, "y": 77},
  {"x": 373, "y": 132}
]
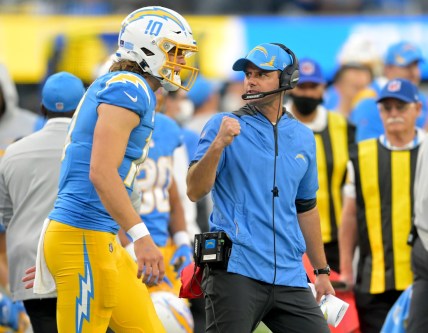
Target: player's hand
[
  {"x": 323, "y": 286},
  {"x": 229, "y": 128},
  {"x": 149, "y": 260},
  {"x": 182, "y": 257},
  {"x": 28, "y": 278}
]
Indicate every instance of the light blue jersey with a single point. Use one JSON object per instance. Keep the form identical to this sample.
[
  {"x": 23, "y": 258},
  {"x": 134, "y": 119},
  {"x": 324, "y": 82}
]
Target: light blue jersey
[
  {"x": 155, "y": 178},
  {"x": 243, "y": 197},
  {"x": 78, "y": 203}
]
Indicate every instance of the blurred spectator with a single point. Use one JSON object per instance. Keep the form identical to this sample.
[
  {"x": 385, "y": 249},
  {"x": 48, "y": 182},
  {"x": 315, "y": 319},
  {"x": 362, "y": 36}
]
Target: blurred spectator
[
  {"x": 29, "y": 173},
  {"x": 359, "y": 60},
  {"x": 333, "y": 136},
  {"x": 392, "y": 6},
  {"x": 275, "y": 6},
  {"x": 378, "y": 206},
  {"x": 349, "y": 80},
  {"x": 232, "y": 7},
  {"x": 87, "y": 7},
  {"x": 205, "y": 98},
  {"x": 401, "y": 61},
  {"x": 418, "y": 319},
  {"x": 361, "y": 48},
  {"x": 179, "y": 107},
  {"x": 231, "y": 94},
  {"x": 14, "y": 121}
]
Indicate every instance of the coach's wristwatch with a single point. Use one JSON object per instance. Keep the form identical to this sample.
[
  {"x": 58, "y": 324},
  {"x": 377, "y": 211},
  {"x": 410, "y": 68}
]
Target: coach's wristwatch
[{"x": 325, "y": 270}]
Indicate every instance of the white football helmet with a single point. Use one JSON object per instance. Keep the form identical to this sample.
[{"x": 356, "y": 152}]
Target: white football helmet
[
  {"x": 363, "y": 49},
  {"x": 173, "y": 312},
  {"x": 151, "y": 36}
]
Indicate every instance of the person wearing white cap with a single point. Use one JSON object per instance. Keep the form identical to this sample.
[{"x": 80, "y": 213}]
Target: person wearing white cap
[
  {"x": 260, "y": 165},
  {"x": 29, "y": 174},
  {"x": 378, "y": 206}
]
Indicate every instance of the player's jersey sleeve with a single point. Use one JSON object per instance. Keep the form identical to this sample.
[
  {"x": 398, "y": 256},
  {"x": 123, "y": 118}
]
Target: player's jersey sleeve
[{"x": 127, "y": 90}]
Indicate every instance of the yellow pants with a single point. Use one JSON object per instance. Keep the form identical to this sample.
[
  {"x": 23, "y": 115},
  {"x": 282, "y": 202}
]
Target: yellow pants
[{"x": 97, "y": 283}]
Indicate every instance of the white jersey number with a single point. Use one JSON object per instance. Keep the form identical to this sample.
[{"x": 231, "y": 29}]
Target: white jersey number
[{"x": 155, "y": 185}]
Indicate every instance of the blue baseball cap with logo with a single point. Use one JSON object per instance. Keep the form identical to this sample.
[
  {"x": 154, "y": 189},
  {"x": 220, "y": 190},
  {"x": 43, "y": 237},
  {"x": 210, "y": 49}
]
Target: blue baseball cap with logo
[
  {"x": 400, "y": 89},
  {"x": 310, "y": 71},
  {"x": 269, "y": 57},
  {"x": 62, "y": 92},
  {"x": 403, "y": 54}
]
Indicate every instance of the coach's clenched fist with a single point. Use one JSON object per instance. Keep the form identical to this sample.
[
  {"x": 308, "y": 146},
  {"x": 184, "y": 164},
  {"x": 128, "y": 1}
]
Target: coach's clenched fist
[{"x": 229, "y": 128}]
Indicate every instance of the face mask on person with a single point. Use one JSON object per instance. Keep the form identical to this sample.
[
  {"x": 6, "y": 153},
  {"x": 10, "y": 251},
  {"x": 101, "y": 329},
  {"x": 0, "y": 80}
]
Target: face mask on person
[
  {"x": 186, "y": 111},
  {"x": 231, "y": 102},
  {"x": 306, "y": 105}
]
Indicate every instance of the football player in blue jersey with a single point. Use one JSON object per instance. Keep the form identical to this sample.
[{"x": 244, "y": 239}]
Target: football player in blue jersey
[
  {"x": 161, "y": 208},
  {"x": 98, "y": 284}
]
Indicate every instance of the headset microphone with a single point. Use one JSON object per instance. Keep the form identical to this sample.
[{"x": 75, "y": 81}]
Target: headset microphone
[{"x": 261, "y": 94}]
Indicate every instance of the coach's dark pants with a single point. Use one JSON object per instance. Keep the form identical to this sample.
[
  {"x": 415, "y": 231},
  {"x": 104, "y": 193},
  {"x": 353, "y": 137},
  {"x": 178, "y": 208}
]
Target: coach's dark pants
[
  {"x": 418, "y": 315},
  {"x": 42, "y": 313},
  {"x": 237, "y": 304}
]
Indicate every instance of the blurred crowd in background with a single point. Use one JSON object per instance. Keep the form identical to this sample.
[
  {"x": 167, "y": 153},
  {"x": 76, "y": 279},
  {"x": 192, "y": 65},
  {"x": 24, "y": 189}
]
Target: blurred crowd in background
[
  {"x": 218, "y": 7},
  {"x": 77, "y": 51}
]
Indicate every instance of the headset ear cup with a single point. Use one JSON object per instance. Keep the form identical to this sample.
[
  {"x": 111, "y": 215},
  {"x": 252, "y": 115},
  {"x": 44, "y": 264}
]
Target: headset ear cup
[
  {"x": 290, "y": 75},
  {"x": 283, "y": 79},
  {"x": 294, "y": 79}
]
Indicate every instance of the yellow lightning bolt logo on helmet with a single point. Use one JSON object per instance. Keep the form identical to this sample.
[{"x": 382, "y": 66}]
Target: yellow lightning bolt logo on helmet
[{"x": 154, "y": 11}]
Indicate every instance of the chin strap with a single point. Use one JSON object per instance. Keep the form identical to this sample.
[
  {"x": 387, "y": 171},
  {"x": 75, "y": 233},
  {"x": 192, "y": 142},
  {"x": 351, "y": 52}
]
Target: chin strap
[{"x": 169, "y": 86}]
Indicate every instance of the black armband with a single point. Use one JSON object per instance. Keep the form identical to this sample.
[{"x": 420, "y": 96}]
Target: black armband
[{"x": 305, "y": 205}]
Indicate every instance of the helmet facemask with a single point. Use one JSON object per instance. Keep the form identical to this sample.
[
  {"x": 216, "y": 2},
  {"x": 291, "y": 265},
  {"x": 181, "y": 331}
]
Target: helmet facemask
[{"x": 174, "y": 74}]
